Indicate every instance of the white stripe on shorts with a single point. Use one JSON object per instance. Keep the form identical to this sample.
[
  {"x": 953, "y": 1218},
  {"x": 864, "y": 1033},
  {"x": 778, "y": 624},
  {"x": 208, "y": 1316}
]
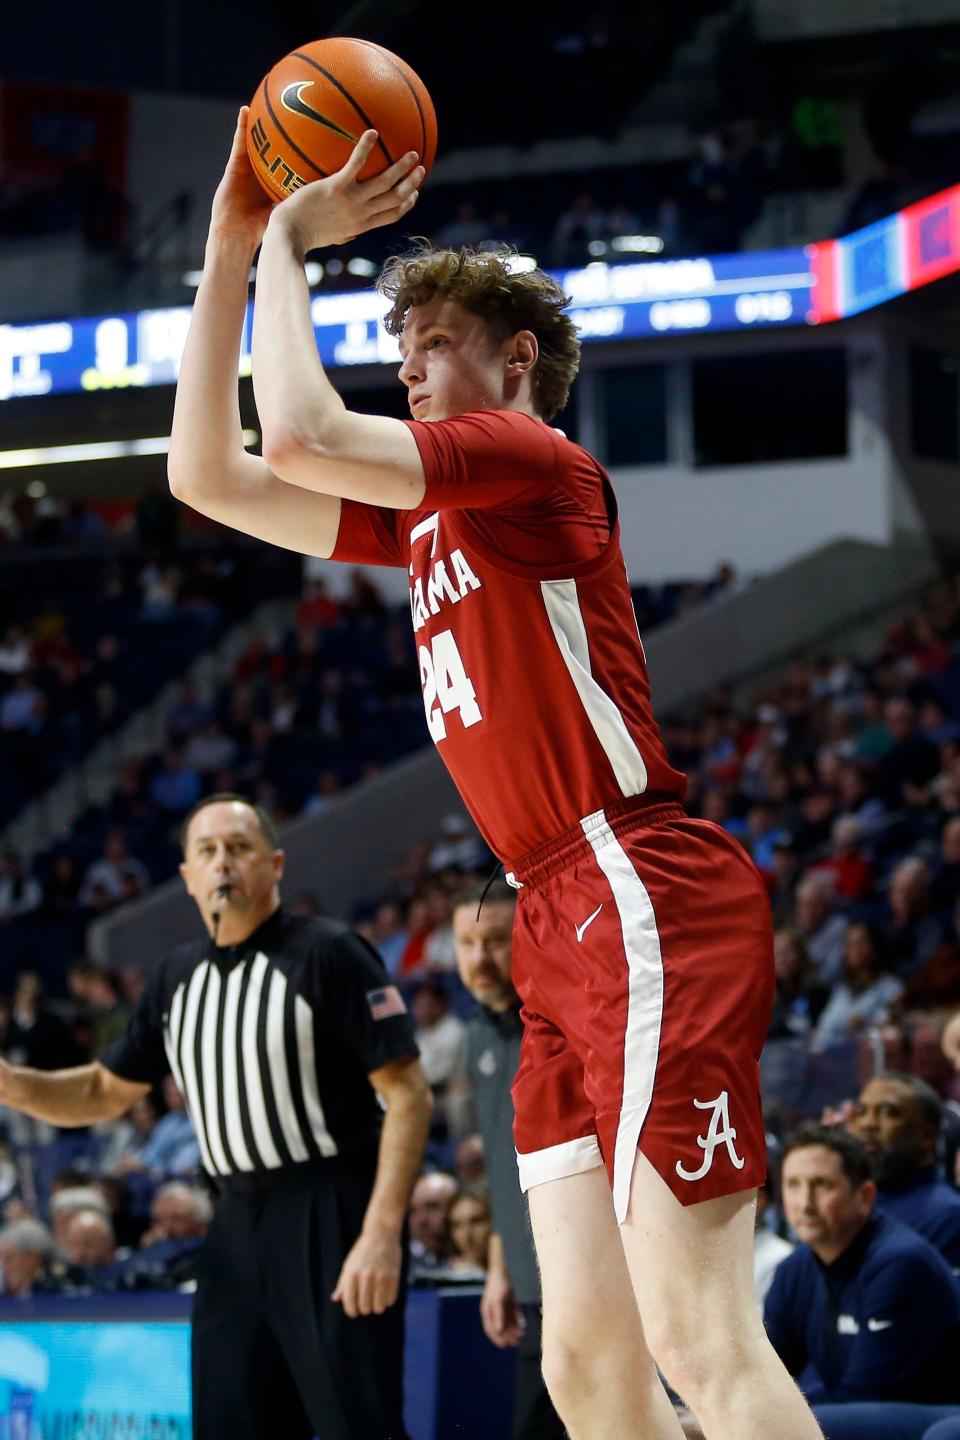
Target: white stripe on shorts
[
  {"x": 556, "y": 1162},
  {"x": 641, "y": 1041}
]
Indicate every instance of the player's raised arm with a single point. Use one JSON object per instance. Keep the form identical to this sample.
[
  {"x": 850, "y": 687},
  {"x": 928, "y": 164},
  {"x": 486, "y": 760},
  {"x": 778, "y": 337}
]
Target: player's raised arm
[
  {"x": 310, "y": 439},
  {"x": 208, "y": 466}
]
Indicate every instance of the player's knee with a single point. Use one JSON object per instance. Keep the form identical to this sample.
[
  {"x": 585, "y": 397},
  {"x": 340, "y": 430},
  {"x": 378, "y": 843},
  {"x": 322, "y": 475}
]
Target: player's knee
[
  {"x": 570, "y": 1369},
  {"x": 696, "y": 1360},
  {"x": 584, "y": 1363}
]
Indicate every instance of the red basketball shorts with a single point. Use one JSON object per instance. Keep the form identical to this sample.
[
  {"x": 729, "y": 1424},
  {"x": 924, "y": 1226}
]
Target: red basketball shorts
[{"x": 643, "y": 954}]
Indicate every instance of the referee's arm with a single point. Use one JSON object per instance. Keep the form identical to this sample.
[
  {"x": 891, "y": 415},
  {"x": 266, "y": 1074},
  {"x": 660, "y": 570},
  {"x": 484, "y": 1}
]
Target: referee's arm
[
  {"x": 369, "y": 1281},
  {"x": 82, "y": 1095}
]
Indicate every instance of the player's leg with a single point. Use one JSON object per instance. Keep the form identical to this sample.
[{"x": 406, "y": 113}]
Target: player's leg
[
  {"x": 692, "y": 1273},
  {"x": 596, "y": 1364},
  {"x": 241, "y": 1385}
]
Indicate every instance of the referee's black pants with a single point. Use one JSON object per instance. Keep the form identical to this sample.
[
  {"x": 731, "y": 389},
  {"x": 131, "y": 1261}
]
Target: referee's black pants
[{"x": 273, "y": 1358}]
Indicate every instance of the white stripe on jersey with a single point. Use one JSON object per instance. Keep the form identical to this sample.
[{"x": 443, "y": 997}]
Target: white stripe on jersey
[
  {"x": 641, "y": 1041},
  {"x": 277, "y": 1059},
  {"x": 186, "y": 1045},
  {"x": 563, "y": 611},
  {"x": 231, "y": 1080},
  {"x": 306, "y": 1055},
  {"x": 208, "y": 1071},
  {"x": 171, "y": 1037},
  {"x": 252, "y": 1081}
]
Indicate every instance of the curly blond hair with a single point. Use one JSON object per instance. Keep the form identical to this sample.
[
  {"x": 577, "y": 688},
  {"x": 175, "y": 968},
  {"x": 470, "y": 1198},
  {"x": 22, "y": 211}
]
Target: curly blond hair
[{"x": 483, "y": 283}]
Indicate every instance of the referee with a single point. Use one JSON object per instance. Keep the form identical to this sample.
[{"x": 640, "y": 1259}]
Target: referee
[{"x": 281, "y": 1033}]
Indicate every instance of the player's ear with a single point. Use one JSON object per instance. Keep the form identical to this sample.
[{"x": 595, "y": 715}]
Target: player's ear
[
  {"x": 279, "y": 860},
  {"x": 523, "y": 352},
  {"x": 183, "y": 876}
]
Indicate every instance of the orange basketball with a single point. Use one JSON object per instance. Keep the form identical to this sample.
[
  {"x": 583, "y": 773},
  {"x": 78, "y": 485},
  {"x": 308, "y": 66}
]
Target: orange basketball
[{"x": 316, "y": 102}]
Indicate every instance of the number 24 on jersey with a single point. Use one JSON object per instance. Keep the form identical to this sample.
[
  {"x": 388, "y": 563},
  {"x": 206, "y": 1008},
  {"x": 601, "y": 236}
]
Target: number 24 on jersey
[{"x": 446, "y": 686}]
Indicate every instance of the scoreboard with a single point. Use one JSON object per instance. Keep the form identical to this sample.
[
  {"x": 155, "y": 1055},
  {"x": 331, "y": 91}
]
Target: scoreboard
[{"x": 804, "y": 285}]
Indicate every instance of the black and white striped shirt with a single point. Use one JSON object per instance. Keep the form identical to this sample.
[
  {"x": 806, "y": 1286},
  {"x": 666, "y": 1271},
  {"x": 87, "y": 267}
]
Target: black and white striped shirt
[{"x": 270, "y": 1042}]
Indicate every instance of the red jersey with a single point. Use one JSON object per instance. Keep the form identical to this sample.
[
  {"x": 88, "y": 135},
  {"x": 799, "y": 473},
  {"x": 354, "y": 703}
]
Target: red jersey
[{"x": 534, "y": 678}]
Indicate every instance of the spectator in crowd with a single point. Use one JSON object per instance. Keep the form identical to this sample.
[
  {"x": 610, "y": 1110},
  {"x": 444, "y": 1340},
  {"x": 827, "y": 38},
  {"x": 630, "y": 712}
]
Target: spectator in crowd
[
  {"x": 469, "y": 1226},
  {"x": 898, "y": 1118},
  {"x": 188, "y": 714},
  {"x": 441, "y": 1038},
  {"x": 88, "y": 1241},
  {"x": 14, "y": 651},
  {"x": 427, "y": 1219},
  {"x": 864, "y": 996},
  {"x": 912, "y": 930},
  {"x": 112, "y": 871},
  {"x": 171, "y": 1149},
  {"x": 20, "y": 892},
  {"x": 26, "y": 1247},
  {"x": 123, "y": 1140},
  {"x": 317, "y": 609},
  {"x": 782, "y": 878},
  {"x": 761, "y": 835},
  {"x": 178, "y": 1212},
  {"x": 459, "y": 846},
  {"x": 63, "y": 886},
  {"x": 510, "y": 1308},
  {"x": 170, "y": 1249},
  {"x": 438, "y": 949},
  {"x": 911, "y": 762},
  {"x": 470, "y": 1162},
  {"x": 34, "y": 1034},
  {"x": 583, "y": 222},
  {"x": 865, "y": 1313},
  {"x": 176, "y": 787},
  {"x": 210, "y": 749},
  {"x": 769, "y": 1248},
  {"x": 846, "y": 869},
  {"x": 936, "y": 985},
  {"x": 946, "y": 881},
  {"x": 74, "y": 1200},
  {"x": 799, "y": 997},
  {"x": 824, "y": 931},
  {"x": 389, "y": 934},
  {"x": 109, "y": 1010},
  {"x": 23, "y": 707}
]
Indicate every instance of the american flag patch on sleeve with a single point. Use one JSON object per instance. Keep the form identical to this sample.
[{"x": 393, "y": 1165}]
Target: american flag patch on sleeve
[{"x": 386, "y": 1002}]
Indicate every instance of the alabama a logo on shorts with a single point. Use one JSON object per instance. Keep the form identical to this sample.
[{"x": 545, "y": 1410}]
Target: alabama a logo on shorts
[{"x": 719, "y": 1132}]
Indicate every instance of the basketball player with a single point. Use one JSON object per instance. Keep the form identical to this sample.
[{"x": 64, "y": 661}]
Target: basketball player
[{"x": 643, "y": 947}]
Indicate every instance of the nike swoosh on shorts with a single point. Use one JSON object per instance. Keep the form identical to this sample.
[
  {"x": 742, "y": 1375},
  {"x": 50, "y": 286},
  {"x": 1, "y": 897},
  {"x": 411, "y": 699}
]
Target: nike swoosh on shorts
[{"x": 589, "y": 921}]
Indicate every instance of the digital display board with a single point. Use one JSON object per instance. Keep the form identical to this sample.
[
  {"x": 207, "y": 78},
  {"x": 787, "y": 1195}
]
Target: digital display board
[
  {"x": 889, "y": 258},
  {"x": 812, "y": 284},
  {"x": 94, "y": 1381}
]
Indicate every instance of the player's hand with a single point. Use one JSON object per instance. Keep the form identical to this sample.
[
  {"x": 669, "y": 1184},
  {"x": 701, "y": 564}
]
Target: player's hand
[
  {"x": 499, "y": 1313},
  {"x": 369, "y": 1281},
  {"x": 240, "y": 207},
  {"x": 341, "y": 207}
]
